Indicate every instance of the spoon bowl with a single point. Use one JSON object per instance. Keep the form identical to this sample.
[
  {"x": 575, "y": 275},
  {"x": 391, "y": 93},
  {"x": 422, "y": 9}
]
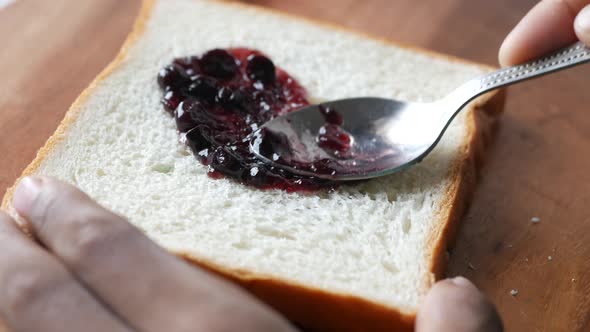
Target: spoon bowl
[{"x": 382, "y": 133}]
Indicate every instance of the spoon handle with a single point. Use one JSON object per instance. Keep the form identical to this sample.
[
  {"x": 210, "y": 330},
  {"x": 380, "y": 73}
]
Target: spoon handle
[{"x": 570, "y": 56}]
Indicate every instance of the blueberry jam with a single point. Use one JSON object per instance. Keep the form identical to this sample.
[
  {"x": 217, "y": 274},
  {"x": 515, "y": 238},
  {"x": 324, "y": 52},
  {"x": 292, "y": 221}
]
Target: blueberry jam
[
  {"x": 220, "y": 98},
  {"x": 331, "y": 137}
]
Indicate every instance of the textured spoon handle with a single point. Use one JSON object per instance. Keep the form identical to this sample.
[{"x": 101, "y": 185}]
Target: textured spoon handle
[
  {"x": 567, "y": 57},
  {"x": 570, "y": 56}
]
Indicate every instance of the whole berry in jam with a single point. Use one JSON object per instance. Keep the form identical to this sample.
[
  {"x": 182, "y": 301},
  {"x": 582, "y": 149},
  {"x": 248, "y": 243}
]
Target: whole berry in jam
[
  {"x": 224, "y": 96},
  {"x": 219, "y": 64},
  {"x": 236, "y": 99},
  {"x": 261, "y": 69},
  {"x": 186, "y": 115},
  {"x": 172, "y": 76},
  {"x": 203, "y": 87}
]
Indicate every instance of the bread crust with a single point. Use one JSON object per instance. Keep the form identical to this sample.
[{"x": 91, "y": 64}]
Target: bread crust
[
  {"x": 314, "y": 308},
  {"x": 482, "y": 124}
]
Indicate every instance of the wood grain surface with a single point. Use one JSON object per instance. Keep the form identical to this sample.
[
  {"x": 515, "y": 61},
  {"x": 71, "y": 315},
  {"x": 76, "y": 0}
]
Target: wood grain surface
[{"x": 537, "y": 167}]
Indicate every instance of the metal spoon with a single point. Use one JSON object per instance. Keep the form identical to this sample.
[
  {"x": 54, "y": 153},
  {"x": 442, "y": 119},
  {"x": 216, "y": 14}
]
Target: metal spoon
[{"x": 390, "y": 135}]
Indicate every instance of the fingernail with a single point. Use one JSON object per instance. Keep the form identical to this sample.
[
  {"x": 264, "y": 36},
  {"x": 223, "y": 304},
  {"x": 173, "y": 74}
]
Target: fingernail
[
  {"x": 461, "y": 282},
  {"x": 582, "y": 24},
  {"x": 25, "y": 194}
]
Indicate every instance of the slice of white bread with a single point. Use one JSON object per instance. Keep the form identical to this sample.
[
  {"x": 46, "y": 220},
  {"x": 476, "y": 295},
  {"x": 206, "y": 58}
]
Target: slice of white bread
[{"x": 359, "y": 258}]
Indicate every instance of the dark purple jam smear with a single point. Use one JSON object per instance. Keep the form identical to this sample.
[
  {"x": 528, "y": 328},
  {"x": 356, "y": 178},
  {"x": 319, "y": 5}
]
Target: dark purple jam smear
[
  {"x": 331, "y": 137},
  {"x": 220, "y": 98}
]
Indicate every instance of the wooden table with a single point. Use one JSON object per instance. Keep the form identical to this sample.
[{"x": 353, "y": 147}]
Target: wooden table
[{"x": 537, "y": 167}]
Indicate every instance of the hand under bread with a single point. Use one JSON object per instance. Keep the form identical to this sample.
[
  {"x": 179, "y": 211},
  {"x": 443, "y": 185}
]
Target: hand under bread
[
  {"x": 550, "y": 25},
  {"x": 93, "y": 271},
  {"x": 96, "y": 272}
]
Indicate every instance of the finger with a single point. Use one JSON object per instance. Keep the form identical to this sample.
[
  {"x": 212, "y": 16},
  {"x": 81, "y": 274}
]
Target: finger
[
  {"x": 151, "y": 289},
  {"x": 36, "y": 290},
  {"x": 456, "y": 305},
  {"x": 547, "y": 27},
  {"x": 582, "y": 25}
]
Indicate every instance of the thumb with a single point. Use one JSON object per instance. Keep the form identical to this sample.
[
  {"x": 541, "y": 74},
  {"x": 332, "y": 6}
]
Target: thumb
[
  {"x": 582, "y": 25},
  {"x": 456, "y": 305}
]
